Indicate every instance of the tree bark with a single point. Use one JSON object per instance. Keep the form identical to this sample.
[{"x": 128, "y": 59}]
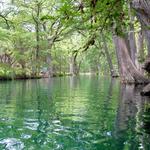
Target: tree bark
[
  {"x": 131, "y": 38},
  {"x": 140, "y": 50},
  {"x": 140, "y": 46},
  {"x": 142, "y": 8},
  {"x": 128, "y": 72},
  {"x": 147, "y": 35}
]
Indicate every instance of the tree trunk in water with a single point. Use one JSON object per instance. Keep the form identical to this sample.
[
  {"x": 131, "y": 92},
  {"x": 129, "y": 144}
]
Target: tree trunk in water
[
  {"x": 142, "y": 8},
  {"x": 131, "y": 38},
  {"x": 111, "y": 68},
  {"x": 140, "y": 50},
  {"x": 147, "y": 35},
  {"x": 128, "y": 72},
  {"x": 140, "y": 46}
]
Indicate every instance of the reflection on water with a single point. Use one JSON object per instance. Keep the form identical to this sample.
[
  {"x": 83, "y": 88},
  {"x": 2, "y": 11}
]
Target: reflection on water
[{"x": 73, "y": 113}]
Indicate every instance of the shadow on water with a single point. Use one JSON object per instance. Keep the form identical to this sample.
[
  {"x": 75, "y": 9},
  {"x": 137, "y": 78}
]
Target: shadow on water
[{"x": 73, "y": 113}]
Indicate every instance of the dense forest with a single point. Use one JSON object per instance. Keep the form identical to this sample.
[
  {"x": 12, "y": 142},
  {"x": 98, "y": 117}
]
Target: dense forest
[{"x": 45, "y": 38}]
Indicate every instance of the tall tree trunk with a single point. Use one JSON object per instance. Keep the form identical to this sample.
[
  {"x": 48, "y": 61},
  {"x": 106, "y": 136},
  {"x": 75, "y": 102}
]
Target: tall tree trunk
[
  {"x": 131, "y": 38},
  {"x": 73, "y": 65},
  {"x": 142, "y": 8},
  {"x": 109, "y": 60},
  {"x": 36, "y": 19},
  {"x": 147, "y": 35},
  {"x": 140, "y": 50},
  {"x": 140, "y": 46},
  {"x": 128, "y": 72},
  {"x": 49, "y": 56},
  {"x": 37, "y": 49}
]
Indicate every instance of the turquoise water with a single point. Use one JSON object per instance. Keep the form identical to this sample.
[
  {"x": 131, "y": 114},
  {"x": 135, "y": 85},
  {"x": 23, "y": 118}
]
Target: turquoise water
[{"x": 73, "y": 113}]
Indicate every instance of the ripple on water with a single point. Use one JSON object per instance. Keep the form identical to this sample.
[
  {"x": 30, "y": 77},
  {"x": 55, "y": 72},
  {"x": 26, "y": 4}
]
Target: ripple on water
[
  {"x": 31, "y": 124},
  {"x": 26, "y": 136},
  {"x": 12, "y": 144}
]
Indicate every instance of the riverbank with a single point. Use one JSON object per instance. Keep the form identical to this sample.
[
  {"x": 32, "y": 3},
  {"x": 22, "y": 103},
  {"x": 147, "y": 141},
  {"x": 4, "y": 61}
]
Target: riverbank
[
  {"x": 25, "y": 77},
  {"x": 19, "y": 77}
]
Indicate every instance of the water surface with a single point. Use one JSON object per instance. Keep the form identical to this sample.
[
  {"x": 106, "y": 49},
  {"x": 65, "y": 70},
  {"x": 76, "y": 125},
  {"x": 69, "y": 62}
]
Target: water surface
[{"x": 73, "y": 113}]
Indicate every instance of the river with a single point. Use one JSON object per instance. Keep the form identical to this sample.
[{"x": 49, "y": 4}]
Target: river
[{"x": 73, "y": 113}]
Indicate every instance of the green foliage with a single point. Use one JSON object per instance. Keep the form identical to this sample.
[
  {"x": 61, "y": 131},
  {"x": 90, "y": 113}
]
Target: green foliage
[{"x": 60, "y": 30}]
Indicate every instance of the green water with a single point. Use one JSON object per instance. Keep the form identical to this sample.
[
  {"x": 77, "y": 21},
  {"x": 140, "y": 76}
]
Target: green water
[{"x": 73, "y": 113}]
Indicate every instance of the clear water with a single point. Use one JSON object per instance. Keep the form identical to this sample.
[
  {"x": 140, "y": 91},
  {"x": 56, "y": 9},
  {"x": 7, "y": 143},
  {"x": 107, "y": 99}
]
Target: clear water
[{"x": 73, "y": 113}]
